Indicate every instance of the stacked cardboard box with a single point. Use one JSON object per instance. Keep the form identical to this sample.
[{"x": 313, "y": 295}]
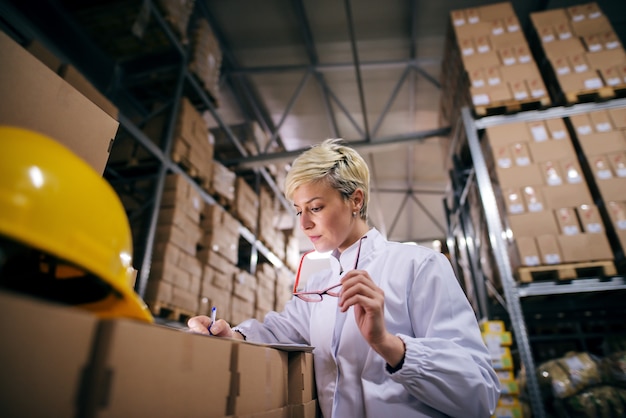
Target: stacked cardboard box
[
  {"x": 175, "y": 273},
  {"x": 602, "y": 137},
  {"x": 220, "y": 233},
  {"x": 246, "y": 204},
  {"x": 499, "y": 341},
  {"x": 206, "y": 57},
  {"x": 216, "y": 287},
  {"x": 193, "y": 144},
  {"x": 126, "y": 29},
  {"x": 550, "y": 211},
  {"x": 284, "y": 288},
  {"x": 244, "y": 297},
  {"x": 100, "y": 368},
  {"x": 582, "y": 51},
  {"x": 273, "y": 237},
  {"x": 266, "y": 290},
  {"x": 223, "y": 184},
  {"x": 488, "y": 64}
]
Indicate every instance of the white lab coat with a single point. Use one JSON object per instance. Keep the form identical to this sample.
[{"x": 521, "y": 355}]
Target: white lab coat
[{"x": 447, "y": 369}]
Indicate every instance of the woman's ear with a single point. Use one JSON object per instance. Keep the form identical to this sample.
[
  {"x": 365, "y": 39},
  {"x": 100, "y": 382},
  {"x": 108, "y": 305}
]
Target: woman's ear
[{"x": 357, "y": 200}]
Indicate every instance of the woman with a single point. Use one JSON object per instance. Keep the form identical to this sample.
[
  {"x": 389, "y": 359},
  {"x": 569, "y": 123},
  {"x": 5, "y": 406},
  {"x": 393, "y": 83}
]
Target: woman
[{"x": 393, "y": 332}]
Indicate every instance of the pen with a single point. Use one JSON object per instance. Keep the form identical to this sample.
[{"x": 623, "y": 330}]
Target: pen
[{"x": 213, "y": 314}]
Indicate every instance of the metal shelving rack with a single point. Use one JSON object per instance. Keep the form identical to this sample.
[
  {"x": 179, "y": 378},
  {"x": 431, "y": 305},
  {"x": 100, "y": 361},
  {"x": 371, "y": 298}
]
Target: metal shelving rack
[
  {"x": 460, "y": 227},
  {"x": 20, "y": 25}
]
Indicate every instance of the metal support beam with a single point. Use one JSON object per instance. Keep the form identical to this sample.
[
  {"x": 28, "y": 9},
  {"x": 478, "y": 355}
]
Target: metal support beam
[{"x": 357, "y": 67}]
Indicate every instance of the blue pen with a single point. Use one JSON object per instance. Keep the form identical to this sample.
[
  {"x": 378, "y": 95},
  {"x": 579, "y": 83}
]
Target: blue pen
[{"x": 213, "y": 314}]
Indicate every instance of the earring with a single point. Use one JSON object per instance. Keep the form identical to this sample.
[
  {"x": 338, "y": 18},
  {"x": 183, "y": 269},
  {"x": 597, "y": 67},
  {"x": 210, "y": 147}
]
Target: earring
[{"x": 354, "y": 214}]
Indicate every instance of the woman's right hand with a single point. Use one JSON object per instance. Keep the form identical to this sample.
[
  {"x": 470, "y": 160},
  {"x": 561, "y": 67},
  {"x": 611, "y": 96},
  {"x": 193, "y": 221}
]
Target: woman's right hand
[{"x": 201, "y": 324}]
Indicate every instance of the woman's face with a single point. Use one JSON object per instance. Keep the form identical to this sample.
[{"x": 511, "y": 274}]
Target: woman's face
[{"x": 325, "y": 216}]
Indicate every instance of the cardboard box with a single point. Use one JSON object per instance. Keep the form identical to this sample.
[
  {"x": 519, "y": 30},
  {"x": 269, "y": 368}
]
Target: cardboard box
[
  {"x": 566, "y": 195},
  {"x": 549, "y": 250},
  {"x": 582, "y": 124},
  {"x": 617, "y": 213},
  {"x": 551, "y": 150},
  {"x": 618, "y": 117},
  {"x": 600, "y": 167},
  {"x": 509, "y": 133},
  {"x": 568, "y": 221},
  {"x": 533, "y": 198},
  {"x": 590, "y": 219},
  {"x": 513, "y": 201},
  {"x": 617, "y": 162},
  {"x": 519, "y": 176},
  {"x": 260, "y": 376},
  {"x": 613, "y": 189},
  {"x": 581, "y": 81},
  {"x": 36, "y": 98},
  {"x": 527, "y": 251},
  {"x": 585, "y": 247},
  {"x": 538, "y": 131},
  {"x": 551, "y": 173},
  {"x": 307, "y": 410},
  {"x": 571, "y": 170},
  {"x": 601, "y": 121},
  {"x": 557, "y": 129},
  {"x": 301, "y": 377},
  {"x": 135, "y": 364},
  {"x": 43, "y": 368},
  {"x": 603, "y": 142},
  {"x": 533, "y": 224}
]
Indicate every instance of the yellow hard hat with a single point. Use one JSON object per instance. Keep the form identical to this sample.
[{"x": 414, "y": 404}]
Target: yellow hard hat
[{"x": 60, "y": 218}]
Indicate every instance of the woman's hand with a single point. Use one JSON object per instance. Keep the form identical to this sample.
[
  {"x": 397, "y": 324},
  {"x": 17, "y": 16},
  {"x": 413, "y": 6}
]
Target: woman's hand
[
  {"x": 202, "y": 325},
  {"x": 368, "y": 300}
]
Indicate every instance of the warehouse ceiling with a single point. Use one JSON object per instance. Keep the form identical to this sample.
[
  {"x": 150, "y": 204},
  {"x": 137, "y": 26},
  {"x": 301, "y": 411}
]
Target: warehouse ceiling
[{"x": 367, "y": 71}]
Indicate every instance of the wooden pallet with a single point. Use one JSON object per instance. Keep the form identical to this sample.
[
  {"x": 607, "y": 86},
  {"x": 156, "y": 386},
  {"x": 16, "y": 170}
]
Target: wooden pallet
[
  {"x": 595, "y": 95},
  {"x": 168, "y": 311},
  {"x": 568, "y": 271},
  {"x": 511, "y": 106},
  {"x": 193, "y": 172}
]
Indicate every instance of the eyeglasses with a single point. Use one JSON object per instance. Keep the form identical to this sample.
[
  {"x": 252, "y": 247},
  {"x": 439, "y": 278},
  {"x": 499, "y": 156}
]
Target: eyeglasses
[{"x": 318, "y": 295}]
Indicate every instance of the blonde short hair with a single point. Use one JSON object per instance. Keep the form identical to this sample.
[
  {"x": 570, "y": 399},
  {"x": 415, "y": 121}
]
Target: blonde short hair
[{"x": 341, "y": 166}]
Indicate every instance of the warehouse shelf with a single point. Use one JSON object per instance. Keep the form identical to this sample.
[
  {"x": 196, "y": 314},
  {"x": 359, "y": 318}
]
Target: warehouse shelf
[
  {"x": 523, "y": 304},
  {"x": 116, "y": 83}
]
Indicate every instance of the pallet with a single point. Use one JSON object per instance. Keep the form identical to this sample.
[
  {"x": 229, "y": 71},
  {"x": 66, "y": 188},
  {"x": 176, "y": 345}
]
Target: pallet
[
  {"x": 596, "y": 95},
  {"x": 511, "y": 106},
  {"x": 167, "y": 311},
  {"x": 568, "y": 271},
  {"x": 183, "y": 162}
]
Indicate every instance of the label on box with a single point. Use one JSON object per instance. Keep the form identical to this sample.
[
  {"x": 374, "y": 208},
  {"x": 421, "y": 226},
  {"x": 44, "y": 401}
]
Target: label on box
[
  {"x": 584, "y": 130},
  {"x": 535, "y": 207},
  {"x": 481, "y": 99},
  {"x": 478, "y": 83},
  {"x": 552, "y": 259},
  {"x": 563, "y": 70},
  {"x": 612, "y": 45},
  {"x": 593, "y": 83},
  {"x": 565, "y": 35},
  {"x": 604, "y": 127},
  {"x": 521, "y": 95},
  {"x": 538, "y": 93},
  {"x": 571, "y": 230},
  {"x": 516, "y": 208},
  {"x": 604, "y": 174},
  {"x": 613, "y": 81},
  {"x": 495, "y": 80},
  {"x": 560, "y": 134},
  {"x": 594, "y": 228},
  {"x": 539, "y": 133},
  {"x": 531, "y": 260},
  {"x": 523, "y": 161},
  {"x": 621, "y": 224},
  {"x": 504, "y": 162},
  {"x": 621, "y": 172}
]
